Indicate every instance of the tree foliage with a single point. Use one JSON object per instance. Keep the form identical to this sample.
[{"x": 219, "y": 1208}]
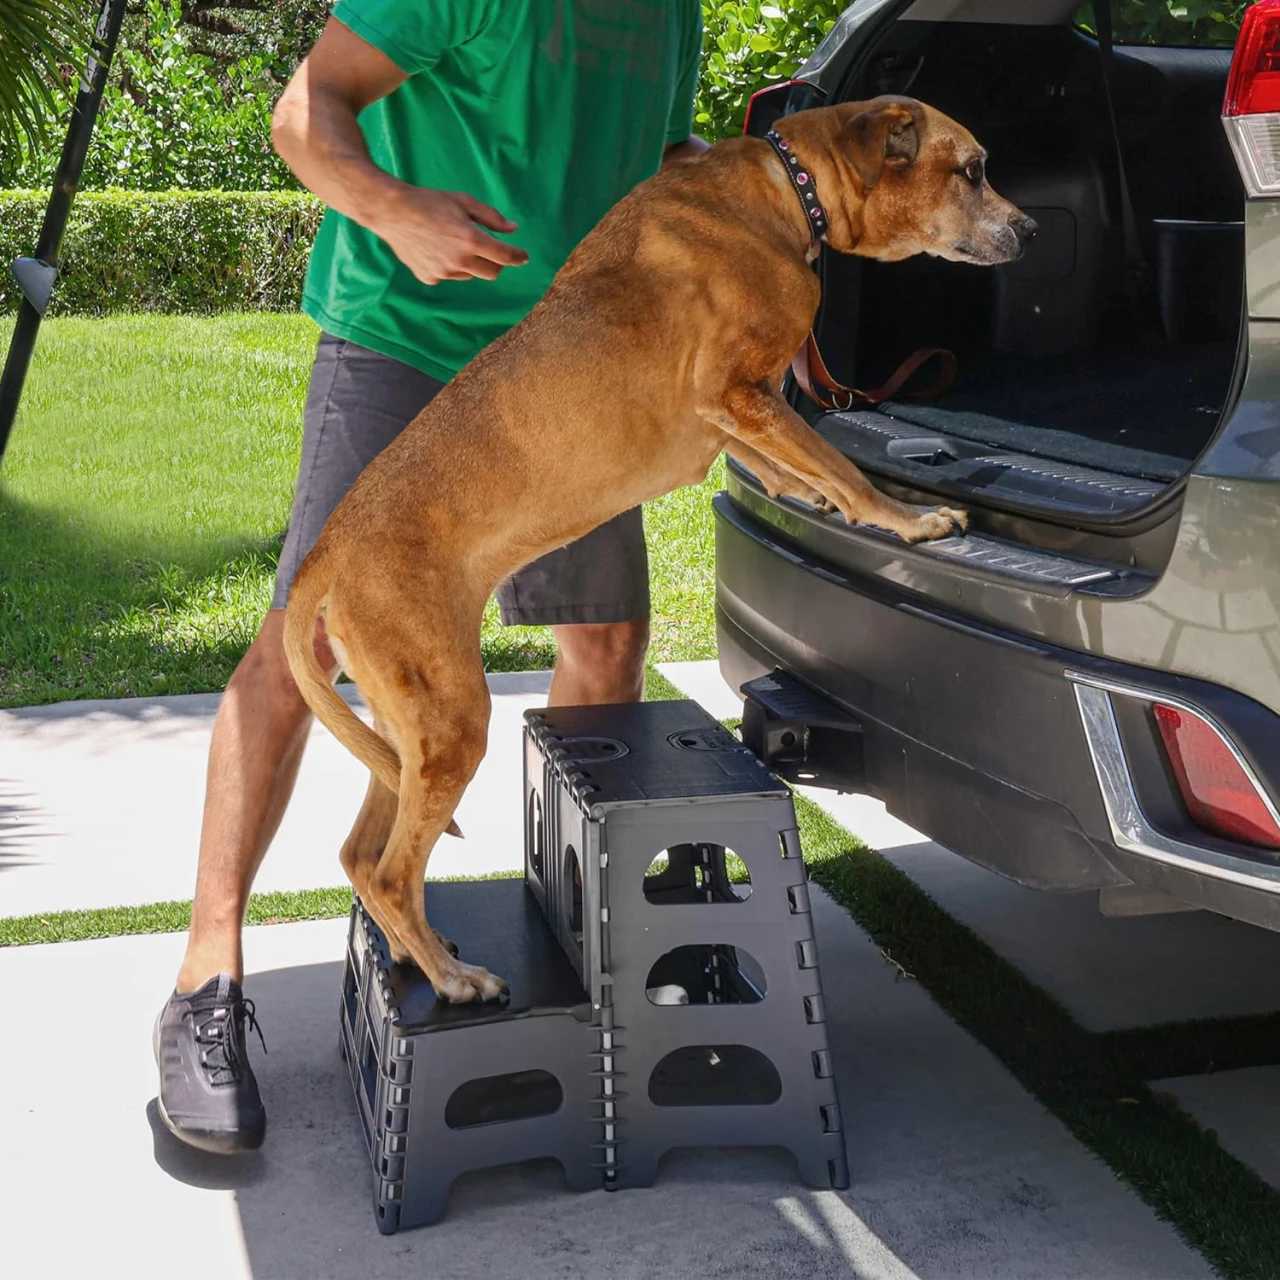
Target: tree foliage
[
  {"x": 748, "y": 46},
  {"x": 189, "y": 104},
  {"x": 1211, "y": 23},
  {"x": 35, "y": 37}
]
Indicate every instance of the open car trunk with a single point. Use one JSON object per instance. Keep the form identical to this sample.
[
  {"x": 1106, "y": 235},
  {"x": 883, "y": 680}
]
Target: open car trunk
[{"x": 1084, "y": 390}]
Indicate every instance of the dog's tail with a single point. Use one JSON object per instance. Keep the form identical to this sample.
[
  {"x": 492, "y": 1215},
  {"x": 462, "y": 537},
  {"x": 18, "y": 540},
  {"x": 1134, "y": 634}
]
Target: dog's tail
[{"x": 306, "y": 599}]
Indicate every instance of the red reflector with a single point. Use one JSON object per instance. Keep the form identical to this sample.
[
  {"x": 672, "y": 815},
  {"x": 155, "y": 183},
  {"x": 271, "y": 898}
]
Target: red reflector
[
  {"x": 1253, "y": 87},
  {"x": 1215, "y": 789}
]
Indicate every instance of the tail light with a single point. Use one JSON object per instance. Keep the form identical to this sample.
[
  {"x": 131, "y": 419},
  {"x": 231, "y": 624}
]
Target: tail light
[
  {"x": 766, "y": 105},
  {"x": 1251, "y": 109},
  {"x": 1220, "y": 794}
]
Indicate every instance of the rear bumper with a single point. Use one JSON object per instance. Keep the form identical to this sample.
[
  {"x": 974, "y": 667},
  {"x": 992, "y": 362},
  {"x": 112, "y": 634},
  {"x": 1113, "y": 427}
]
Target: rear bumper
[{"x": 976, "y": 736}]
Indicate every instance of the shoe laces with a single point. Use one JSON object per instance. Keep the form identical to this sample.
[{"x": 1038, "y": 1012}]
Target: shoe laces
[{"x": 217, "y": 1026}]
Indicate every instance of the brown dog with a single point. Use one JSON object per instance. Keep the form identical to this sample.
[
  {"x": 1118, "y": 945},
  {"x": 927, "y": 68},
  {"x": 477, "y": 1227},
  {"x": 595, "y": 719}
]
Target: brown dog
[{"x": 661, "y": 342}]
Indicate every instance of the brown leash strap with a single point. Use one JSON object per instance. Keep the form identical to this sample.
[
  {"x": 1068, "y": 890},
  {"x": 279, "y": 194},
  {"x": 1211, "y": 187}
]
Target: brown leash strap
[{"x": 817, "y": 383}]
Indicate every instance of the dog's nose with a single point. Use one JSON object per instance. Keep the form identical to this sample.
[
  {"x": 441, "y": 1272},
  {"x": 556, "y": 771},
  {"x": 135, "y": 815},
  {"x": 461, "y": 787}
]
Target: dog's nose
[{"x": 1025, "y": 229}]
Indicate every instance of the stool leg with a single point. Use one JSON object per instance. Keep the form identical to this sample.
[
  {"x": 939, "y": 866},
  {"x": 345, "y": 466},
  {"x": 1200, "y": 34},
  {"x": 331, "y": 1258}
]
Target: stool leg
[
  {"x": 427, "y": 1205},
  {"x": 822, "y": 1170},
  {"x": 639, "y": 1169}
]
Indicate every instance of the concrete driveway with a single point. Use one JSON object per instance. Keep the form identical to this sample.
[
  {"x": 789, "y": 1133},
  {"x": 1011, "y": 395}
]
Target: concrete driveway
[{"x": 957, "y": 1171}]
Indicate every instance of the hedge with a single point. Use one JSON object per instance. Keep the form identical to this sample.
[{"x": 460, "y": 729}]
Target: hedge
[{"x": 194, "y": 252}]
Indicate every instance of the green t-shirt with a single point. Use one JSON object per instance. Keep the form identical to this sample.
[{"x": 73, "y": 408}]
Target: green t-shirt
[{"x": 548, "y": 110}]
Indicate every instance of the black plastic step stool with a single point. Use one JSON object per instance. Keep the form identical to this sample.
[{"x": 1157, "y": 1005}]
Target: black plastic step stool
[
  {"x": 743, "y": 1058},
  {"x": 443, "y": 1088}
]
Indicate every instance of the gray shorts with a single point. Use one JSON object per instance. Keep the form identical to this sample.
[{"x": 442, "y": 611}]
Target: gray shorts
[{"x": 357, "y": 403}]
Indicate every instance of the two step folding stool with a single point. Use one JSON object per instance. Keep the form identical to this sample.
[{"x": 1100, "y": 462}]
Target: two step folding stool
[{"x": 664, "y": 977}]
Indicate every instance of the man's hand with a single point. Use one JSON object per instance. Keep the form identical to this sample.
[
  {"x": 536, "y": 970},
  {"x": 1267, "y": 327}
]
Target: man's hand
[{"x": 437, "y": 235}]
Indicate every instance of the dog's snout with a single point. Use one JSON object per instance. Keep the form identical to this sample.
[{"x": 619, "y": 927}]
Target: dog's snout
[{"x": 1025, "y": 229}]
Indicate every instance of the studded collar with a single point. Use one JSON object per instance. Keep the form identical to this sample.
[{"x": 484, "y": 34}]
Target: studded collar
[{"x": 802, "y": 181}]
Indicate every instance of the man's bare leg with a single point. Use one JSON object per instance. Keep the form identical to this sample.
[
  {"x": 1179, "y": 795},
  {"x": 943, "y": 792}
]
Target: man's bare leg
[
  {"x": 258, "y": 740},
  {"x": 599, "y": 663},
  {"x": 208, "y": 1094}
]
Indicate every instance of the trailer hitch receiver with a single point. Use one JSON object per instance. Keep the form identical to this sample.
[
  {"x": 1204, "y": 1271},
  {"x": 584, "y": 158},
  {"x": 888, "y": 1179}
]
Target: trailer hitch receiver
[{"x": 801, "y": 735}]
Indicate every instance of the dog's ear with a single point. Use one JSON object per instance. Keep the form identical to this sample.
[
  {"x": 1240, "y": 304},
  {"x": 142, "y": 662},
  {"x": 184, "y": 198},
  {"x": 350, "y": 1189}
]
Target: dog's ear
[{"x": 883, "y": 137}]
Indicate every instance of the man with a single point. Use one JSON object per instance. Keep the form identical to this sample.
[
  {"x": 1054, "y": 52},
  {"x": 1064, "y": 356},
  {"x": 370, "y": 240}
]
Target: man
[{"x": 423, "y": 124}]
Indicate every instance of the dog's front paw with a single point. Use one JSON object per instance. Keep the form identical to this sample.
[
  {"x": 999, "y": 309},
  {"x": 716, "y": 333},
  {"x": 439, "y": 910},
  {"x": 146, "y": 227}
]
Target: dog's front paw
[{"x": 936, "y": 522}]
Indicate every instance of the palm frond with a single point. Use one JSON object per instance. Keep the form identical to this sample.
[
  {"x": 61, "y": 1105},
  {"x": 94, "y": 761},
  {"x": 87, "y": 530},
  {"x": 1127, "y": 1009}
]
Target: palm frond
[{"x": 37, "y": 37}]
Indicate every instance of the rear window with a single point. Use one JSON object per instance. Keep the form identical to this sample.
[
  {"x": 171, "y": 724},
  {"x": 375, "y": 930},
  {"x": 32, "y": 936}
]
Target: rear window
[{"x": 1195, "y": 24}]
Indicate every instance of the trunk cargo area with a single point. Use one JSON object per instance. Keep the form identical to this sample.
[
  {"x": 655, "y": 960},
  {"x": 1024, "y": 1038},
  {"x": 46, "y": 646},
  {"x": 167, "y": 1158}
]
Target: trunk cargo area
[{"x": 1116, "y": 380}]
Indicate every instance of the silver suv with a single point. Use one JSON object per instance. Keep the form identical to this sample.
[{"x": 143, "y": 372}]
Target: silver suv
[{"x": 1084, "y": 693}]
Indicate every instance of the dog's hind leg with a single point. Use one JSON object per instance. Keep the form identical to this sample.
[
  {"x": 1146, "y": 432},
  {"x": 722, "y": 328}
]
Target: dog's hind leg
[
  {"x": 440, "y": 724},
  {"x": 361, "y": 851},
  {"x": 363, "y": 848}
]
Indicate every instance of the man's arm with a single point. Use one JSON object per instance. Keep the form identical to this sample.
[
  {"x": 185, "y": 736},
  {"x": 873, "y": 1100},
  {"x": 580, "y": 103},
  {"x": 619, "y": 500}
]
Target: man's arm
[
  {"x": 691, "y": 146},
  {"x": 434, "y": 233}
]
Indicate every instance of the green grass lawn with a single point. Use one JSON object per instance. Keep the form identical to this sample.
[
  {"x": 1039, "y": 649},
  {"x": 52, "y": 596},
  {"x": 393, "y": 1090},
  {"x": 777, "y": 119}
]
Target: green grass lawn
[{"x": 146, "y": 491}]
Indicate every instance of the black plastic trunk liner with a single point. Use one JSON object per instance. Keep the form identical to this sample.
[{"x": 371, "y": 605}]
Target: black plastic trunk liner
[
  {"x": 1139, "y": 414},
  {"x": 931, "y": 460}
]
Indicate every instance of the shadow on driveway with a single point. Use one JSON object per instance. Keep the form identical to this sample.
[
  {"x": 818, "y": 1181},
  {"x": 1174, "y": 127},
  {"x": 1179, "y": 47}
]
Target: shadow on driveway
[
  {"x": 305, "y": 1199},
  {"x": 957, "y": 1172},
  {"x": 20, "y": 820}
]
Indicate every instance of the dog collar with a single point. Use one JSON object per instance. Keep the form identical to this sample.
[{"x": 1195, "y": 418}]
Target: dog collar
[{"x": 805, "y": 187}]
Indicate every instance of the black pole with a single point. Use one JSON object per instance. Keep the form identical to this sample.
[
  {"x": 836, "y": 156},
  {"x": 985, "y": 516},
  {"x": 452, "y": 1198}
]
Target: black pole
[{"x": 38, "y": 277}]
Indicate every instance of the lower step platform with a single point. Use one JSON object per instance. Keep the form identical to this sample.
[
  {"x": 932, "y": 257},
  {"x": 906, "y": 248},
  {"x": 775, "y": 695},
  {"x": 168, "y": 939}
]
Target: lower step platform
[{"x": 442, "y": 1089}]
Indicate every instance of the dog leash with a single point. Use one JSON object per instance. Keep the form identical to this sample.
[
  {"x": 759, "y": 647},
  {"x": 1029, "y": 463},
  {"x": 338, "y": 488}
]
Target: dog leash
[
  {"x": 809, "y": 368},
  {"x": 816, "y": 382}
]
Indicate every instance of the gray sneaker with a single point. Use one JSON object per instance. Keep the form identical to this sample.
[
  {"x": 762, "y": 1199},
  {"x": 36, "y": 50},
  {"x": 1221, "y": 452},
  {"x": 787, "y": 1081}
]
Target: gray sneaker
[{"x": 208, "y": 1096}]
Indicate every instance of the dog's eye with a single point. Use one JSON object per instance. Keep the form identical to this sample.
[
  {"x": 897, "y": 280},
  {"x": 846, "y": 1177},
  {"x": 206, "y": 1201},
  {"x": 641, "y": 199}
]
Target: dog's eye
[{"x": 972, "y": 172}]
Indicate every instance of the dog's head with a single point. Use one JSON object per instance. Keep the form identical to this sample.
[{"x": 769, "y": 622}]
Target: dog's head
[{"x": 899, "y": 178}]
